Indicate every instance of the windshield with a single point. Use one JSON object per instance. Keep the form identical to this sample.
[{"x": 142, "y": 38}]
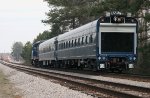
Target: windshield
[{"x": 117, "y": 42}]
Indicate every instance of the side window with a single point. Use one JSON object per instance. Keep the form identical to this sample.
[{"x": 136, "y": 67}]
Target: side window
[
  {"x": 94, "y": 40},
  {"x": 49, "y": 48},
  {"x": 64, "y": 45},
  {"x": 69, "y": 43},
  {"x": 86, "y": 40},
  {"x": 43, "y": 50},
  {"x": 52, "y": 48},
  {"x": 72, "y": 43},
  {"x": 60, "y": 46},
  {"x": 78, "y": 41},
  {"x": 91, "y": 39},
  {"x": 82, "y": 42},
  {"x": 75, "y": 43}
]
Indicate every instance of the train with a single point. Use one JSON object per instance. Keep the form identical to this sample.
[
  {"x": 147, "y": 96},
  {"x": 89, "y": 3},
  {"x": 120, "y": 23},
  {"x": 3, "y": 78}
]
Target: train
[{"x": 108, "y": 43}]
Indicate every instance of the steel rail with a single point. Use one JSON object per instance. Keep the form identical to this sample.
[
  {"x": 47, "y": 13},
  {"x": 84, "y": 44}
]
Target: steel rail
[{"x": 89, "y": 85}]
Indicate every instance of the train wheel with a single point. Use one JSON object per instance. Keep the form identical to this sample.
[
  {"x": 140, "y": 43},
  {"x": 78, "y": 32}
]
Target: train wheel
[
  {"x": 119, "y": 70},
  {"x": 112, "y": 70}
]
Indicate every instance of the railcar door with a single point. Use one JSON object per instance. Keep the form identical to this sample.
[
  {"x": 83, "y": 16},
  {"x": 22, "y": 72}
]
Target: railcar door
[{"x": 56, "y": 48}]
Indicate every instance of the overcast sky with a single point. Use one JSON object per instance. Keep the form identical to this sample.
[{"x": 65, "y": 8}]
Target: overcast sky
[{"x": 20, "y": 20}]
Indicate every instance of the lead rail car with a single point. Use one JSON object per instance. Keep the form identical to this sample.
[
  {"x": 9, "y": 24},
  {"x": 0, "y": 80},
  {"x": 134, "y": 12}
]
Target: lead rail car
[{"x": 108, "y": 43}]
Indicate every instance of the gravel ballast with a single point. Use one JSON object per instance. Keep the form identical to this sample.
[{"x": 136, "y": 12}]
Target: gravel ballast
[{"x": 35, "y": 87}]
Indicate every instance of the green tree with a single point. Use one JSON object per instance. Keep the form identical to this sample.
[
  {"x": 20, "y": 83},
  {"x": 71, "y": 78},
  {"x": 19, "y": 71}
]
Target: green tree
[
  {"x": 17, "y": 50},
  {"x": 69, "y": 14},
  {"x": 43, "y": 36},
  {"x": 26, "y": 52}
]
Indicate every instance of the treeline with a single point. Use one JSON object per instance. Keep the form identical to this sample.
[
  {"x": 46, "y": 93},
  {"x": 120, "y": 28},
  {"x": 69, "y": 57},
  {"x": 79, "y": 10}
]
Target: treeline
[
  {"x": 65, "y": 15},
  {"x": 22, "y": 52},
  {"x": 143, "y": 63}
]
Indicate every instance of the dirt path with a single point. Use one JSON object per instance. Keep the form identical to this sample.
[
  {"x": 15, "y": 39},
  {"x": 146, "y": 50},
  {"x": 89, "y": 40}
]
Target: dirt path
[{"x": 6, "y": 88}]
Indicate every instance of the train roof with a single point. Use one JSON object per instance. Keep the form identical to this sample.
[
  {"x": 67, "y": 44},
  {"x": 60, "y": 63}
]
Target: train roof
[
  {"x": 37, "y": 43},
  {"x": 47, "y": 42},
  {"x": 69, "y": 33},
  {"x": 77, "y": 30}
]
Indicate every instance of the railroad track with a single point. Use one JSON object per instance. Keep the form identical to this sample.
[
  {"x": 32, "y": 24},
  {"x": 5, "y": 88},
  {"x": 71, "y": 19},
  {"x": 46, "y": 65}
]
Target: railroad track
[
  {"x": 98, "y": 88},
  {"x": 129, "y": 76}
]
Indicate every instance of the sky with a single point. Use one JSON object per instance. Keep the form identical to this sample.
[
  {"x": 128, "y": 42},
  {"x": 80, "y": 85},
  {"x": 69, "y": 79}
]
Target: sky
[{"x": 20, "y": 21}]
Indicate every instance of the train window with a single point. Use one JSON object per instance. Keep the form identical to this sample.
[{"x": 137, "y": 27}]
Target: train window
[
  {"x": 49, "y": 48},
  {"x": 53, "y": 47},
  {"x": 94, "y": 39},
  {"x": 78, "y": 41},
  {"x": 82, "y": 41},
  {"x": 64, "y": 45},
  {"x": 91, "y": 39},
  {"x": 61, "y": 45},
  {"x": 72, "y": 43},
  {"x": 46, "y": 49},
  {"x": 75, "y": 43},
  {"x": 43, "y": 50},
  {"x": 86, "y": 40},
  {"x": 69, "y": 43}
]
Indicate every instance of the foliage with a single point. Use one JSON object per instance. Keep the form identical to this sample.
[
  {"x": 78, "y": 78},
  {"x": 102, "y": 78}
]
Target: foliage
[
  {"x": 147, "y": 17},
  {"x": 26, "y": 52},
  {"x": 17, "y": 50},
  {"x": 69, "y": 14},
  {"x": 144, "y": 60},
  {"x": 43, "y": 36}
]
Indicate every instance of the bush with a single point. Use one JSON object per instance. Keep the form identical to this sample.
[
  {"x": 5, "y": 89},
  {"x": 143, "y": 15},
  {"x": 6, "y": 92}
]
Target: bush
[{"x": 143, "y": 63}]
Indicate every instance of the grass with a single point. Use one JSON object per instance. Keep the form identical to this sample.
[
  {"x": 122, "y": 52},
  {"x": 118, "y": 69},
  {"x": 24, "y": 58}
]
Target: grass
[{"x": 6, "y": 90}]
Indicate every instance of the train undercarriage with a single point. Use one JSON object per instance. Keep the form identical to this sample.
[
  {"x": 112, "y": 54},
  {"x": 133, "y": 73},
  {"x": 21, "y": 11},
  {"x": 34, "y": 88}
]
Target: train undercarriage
[{"x": 113, "y": 65}]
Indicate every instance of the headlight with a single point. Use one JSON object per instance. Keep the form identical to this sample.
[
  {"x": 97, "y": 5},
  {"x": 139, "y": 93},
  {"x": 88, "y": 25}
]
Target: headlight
[
  {"x": 130, "y": 58},
  {"x": 134, "y": 58},
  {"x": 102, "y": 66},
  {"x": 103, "y": 58},
  {"x": 131, "y": 66},
  {"x": 99, "y": 58}
]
